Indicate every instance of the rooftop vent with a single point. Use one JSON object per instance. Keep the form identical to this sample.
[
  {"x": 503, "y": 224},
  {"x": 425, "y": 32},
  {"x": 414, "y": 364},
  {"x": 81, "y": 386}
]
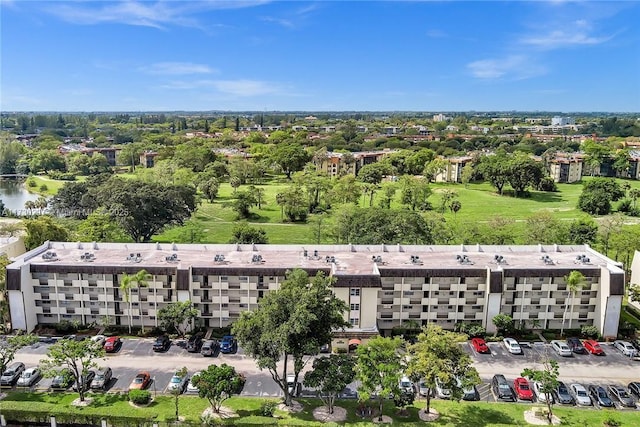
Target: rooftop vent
[
  {"x": 134, "y": 257},
  {"x": 256, "y": 259},
  {"x": 171, "y": 258},
  {"x": 499, "y": 259},
  {"x": 415, "y": 259},
  {"x": 547, "y": 260},
  {"x": 50, "y": 256},
  {"x": 377, "y": 259},
  {"x": 330, "y": 259},
  {"x": 218, "y": 258},
  {"x": 583, "y": 259},
  {"x": 87, "y": 257},
  {"x": 463, "y": 259}
]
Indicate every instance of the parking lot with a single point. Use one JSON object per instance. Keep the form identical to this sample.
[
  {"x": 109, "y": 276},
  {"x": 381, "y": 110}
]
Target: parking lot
[{"x": 137, "y": 355}]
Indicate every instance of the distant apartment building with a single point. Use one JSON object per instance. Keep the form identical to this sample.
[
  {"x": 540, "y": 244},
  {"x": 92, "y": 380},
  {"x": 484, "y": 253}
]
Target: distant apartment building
[
  {"x": 440, "y": 118},
  {"x": 382, "y": 285},
  {"x": 109, "y": 152},
  {"x": 566, "y": 168},
  {"x": 562, "y": 121},
  {"x": 148, "y": 158},
  {"x": 453, "y": 171},
  {"x": 340, "y": 164}
]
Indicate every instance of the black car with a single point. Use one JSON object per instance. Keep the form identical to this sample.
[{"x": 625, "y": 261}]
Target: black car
[
  {"x": 228, "y": 344},
  {"x": 600, "y": 396},
  {"x": 162, "y": 343},
  {"x": 195, "y": 343},
  {"x": 576, "y": 345},
  {"x": 563, "y": 395},
  {"x": 634, "y": 388},
  {"x": 85, "y": 381},
  {"x": 620, "y": 393},
  {"x": 63, "y": 380},
  {"x": 502, "y": 389}
]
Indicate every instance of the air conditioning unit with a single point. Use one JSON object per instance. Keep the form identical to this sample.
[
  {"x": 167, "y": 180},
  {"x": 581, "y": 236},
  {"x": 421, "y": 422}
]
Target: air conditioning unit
[{"x": 387, "y": 306}]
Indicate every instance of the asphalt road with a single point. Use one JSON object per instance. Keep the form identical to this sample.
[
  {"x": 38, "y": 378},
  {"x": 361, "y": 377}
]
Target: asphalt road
[{"x": 137, "y": 355}]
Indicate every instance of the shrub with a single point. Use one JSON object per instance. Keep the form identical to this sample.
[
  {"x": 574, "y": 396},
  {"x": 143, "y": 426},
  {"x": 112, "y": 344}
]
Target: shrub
[
  {"x": 268, "y": 408},
  {"x": 66, "y": 326},
  {"x": 31, "y": 182},
  {"x": 611, "y": 421},
  {"x": 589, "y": 331},
  {"x": 140, "y": 397},
  {"x": 476, "y": 331},
  {"x": 44, "y": 187},
  {"x": 62, "y": 176}
]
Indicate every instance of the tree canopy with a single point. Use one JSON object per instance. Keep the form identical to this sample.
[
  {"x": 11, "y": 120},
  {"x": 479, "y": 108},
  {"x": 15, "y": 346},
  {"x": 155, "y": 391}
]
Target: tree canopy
[{"x": 217, "y": 384}]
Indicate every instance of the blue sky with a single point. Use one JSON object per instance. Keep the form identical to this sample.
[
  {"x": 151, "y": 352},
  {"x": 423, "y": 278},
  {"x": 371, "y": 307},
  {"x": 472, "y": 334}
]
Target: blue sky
[{"x": 325, "y": 55}]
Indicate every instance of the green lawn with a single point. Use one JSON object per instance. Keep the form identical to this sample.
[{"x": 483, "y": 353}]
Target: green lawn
[{"x": 463, "y": 414}]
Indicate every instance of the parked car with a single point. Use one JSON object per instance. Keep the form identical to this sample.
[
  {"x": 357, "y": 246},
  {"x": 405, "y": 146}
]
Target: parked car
[
  {"x": 102, "y": 379},
  {"x": 406, "y": 385},
  {"x": 85, "y": 381},
  {"x": 162, "y": 343},
  {"x": 563, "y": 395},
  {"x": 470, "y": 393},
  {"x": 522, "y": 389},
  {"x": 512, "y": 346},
  {"x": 228, "y": 344},
  {"x": 576, "y": 345},
  {"x": 11, "y": 374},
  {"x": 192, "y": 389},
  {"x": 625, "y": 348},
  {"x": 541, "y": 395},
  {"x": 441, "y": 391},
  {"x": 423, "y": 390},
  {"x": 112, "y": 344},
  {"x": 178, "y": 382},
  {"x": 593, "y": 347},
  {"x": 581, "y": 395},
  {"x": 210, "y": 348},
  {"x": 561, "y": 348},
  {"x": 29, "y": 377},
  {"x": 480, "y": 345},
  {"x": 634, "y": 388},
  {"x": 62, "y": 380},
  {"x": 599, "y": 395},
  {"x": 621, "y": 395},
  {"x": 294, "y": 387},
  {"x": 501, "y": 388},
  {"x": 195, "y": 343},
  {"x": 99, "y": 339},
  {"x": 140, "y": 382}
]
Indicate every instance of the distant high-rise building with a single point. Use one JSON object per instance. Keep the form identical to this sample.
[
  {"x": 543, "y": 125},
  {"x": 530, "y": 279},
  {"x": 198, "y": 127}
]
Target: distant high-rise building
[{"x": 562, "y": 121}]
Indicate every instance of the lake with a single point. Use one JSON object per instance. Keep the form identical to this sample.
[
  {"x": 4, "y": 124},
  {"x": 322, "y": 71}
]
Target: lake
[{"x": 14, "y": 194}]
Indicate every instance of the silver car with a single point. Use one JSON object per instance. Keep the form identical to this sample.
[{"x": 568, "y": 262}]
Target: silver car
[
  {"x": 12, "y": 373},
  {"x": 561, "y": 348},
  {"x": 581, "y": 395},
  {"x": 29, "y": 377},
  {"x": 626, "y": 348},
  {"x": 102, "y": 379},
  {"x": 177, "y": 383}
]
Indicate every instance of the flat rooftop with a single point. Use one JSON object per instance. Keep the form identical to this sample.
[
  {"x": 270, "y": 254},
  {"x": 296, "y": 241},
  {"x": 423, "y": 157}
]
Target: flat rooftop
[{"x": 342, "y": 259}]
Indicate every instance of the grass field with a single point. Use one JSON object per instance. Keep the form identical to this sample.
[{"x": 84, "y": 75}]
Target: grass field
[{"x": 191, "y": 407}]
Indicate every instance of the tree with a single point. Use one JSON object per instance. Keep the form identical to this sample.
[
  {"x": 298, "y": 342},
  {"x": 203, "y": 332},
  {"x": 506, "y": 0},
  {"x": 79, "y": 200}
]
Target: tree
[
  {"x": 209, "y": 188},
  {"x": 438, "y": 356},
  {"x": 434, "y": 168},
  {"x": 379, "y": 368},
  {"x": 415, "y": 193},
  {"x": 575, "y": 281},
  {"x": 79, "y": 356},
  {"x": 128, "y": 282},
  {"x": 46, "y": 161},
  {"x": 176, "y": 392},
  {"x": 543, "y": 227},
  {"x": 217, "y": 384},
  {"x": 176, "y": 316},
  {"x": 634, "y": 292},
  {"x": 290, "y": 158},
  {"x": 44, "y": 228},
  {"x": 583, "y": 231},
  {"x": 10, "y": 345},
  {"x": 4, "y": 300},
  {"x": 523, "y": 172},
  {"x": 467, "y": 174},
  {"x": 548, "y": 379},
  {"x": 243, "y": 203},
  {"x": 597, "y": 195},
  {"x": 73, "y": 200},
  {"x": 98, "y": 227},
  {"x": 494, "y": 169},
  {"x": 244, "y": 233},
  {"x": 288, "y": 324},
  {"x": 330, "y": 375},
  {"x": 191, "y": 232},
  {"x": 143, "y": 209},
  {"x": 503, "y": 322},
  {"x": 374, "y": 172}
]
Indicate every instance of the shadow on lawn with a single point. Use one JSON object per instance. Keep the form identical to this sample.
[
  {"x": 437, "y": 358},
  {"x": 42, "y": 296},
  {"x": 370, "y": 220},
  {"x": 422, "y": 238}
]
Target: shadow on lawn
[{"x": 472, "y": 415}]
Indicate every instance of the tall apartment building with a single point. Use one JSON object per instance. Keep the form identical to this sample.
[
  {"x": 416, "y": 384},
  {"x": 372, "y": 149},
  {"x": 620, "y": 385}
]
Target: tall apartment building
[{"x": 382, "y": 285}]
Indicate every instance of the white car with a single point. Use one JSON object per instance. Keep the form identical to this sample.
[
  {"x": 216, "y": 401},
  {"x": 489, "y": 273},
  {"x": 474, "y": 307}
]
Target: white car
[
  {"x": 512, "y": 346},
  {"x": 561, "y": 348},
  {"x": 29, "y": 377},
  {"x": 441, "y": 391},
  {"x": 626, "y": 348},
  {"x": 423, "y": 390},
  {"x": 192, "y": 389},
  {"x": 177, "y": 382},
  {"x": 540, "y": 395},
  {"x": 99, "y": 339},
  {"x": 581, "y": 395},
  {"x": 406, "y": 385}
]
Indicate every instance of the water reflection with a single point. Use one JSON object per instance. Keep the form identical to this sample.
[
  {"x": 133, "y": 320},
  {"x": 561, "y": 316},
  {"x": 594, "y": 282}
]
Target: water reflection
[{"x": 14, "y": 194}]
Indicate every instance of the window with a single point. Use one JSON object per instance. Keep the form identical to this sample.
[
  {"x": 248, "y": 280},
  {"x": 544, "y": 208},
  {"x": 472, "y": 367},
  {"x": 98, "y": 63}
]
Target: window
[
  {"x": 407, "y": 307},
  {"x": 353, "y": 321},
  {"x": 355, "y": 307},
  {"x": 355, "y": 292},
  {"x": 224, "y": 278},
  {"x": 408, "y": 293}
]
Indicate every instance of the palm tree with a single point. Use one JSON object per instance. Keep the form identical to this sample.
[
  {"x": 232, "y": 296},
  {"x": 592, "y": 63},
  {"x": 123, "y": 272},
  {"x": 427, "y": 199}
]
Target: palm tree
[
  {"x": 138, "y": 280},
  {"x": 575, "y": 281}
]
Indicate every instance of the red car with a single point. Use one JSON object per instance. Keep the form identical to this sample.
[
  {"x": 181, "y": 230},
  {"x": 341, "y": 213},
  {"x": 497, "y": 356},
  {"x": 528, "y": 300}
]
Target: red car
[
  {"x": 141, "y": 381},
  {"x": 480, "y": 345},
  {"x": 112, "y": 344},
  {"x": 593, "y": 347},
  {"x": 523, "y": 391}
]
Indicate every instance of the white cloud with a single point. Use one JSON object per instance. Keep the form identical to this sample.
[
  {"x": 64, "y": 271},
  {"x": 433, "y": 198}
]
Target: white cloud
[
  {"x": 280, "y": 21},
  {"x": 562, "y": 38},
  {"x": 246, "y": 87},
  {"x": 515, "y": 67},
  {"x": 177, "y": 68},
  {"x": 158, "y": 14}
]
